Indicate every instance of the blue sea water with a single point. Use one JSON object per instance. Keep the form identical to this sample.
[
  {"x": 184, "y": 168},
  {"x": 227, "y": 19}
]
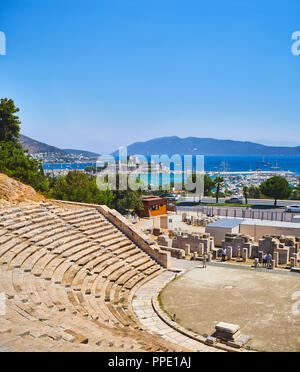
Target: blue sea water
[
  {"x": 246, "y": 163},
  {"x": 227, "y": 163}
]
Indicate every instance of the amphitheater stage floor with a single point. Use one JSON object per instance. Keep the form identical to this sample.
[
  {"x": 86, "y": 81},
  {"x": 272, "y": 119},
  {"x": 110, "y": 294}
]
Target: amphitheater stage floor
[{"x": 265, "y": 305}]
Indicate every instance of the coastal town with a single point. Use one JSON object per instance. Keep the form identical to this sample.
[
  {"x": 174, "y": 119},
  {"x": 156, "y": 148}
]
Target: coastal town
[{"x": 234, "y": 181}]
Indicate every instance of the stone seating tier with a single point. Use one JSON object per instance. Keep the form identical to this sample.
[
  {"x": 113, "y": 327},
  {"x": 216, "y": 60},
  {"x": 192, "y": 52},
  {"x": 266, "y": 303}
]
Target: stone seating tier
[{"x": 69, "y": 277}]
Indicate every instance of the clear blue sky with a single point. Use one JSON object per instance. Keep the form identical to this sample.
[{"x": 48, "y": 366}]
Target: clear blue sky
[{"x": 97, "y": 74}]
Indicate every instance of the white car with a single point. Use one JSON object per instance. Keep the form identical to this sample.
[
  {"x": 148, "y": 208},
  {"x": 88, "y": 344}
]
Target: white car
[
  {"x": 172, "y": 197},
  {"x": 293, "y": 209}
]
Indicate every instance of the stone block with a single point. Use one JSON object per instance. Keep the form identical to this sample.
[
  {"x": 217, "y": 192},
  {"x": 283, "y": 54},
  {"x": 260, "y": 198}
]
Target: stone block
[
  {"x": 229, "y": 253},
  {"x": 293, "y": 262},
  {"x": 276, "y": 258},
  {"x": 240, "y": 342},
  {"x": 211, "y": 340},
  {"x": 227, "y": 328},
  {"x": 245, "y": 254}
]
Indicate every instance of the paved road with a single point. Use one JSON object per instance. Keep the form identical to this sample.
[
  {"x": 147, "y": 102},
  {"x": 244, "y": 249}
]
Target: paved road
[
  {"x": 256, "y": 212},
  {"x": 250, "y": 201},
  {"x": 197, "y": 207}
]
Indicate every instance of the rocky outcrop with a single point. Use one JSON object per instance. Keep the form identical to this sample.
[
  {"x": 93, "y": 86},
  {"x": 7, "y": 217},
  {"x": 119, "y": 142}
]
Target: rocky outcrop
[{"x": 15, "y": 191}]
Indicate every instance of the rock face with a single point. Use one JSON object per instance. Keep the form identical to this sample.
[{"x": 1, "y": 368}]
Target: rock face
[{"x": 15, "y": 191}]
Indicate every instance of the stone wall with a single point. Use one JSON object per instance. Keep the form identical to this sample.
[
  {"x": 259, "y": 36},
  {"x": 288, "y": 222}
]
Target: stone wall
[{"x": 175, "y": 252}]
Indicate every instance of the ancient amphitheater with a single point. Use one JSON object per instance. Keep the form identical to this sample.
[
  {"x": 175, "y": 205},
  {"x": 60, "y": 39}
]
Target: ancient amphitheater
[
  {"x": 69, "y": 276},
  {"x": 81, "y": 277},
  {"x": 74, "y": 278}
]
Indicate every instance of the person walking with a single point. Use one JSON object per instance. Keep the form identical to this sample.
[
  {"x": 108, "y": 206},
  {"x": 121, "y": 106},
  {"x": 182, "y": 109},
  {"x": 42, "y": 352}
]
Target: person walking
[
  {"x": 265, "y": 260},
  {"x": 204, "y": 261},
  {"x": 223, "y": 254}
]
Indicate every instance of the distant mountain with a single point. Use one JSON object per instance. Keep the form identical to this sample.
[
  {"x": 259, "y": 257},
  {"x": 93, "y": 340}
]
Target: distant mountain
[
  {"x": 34, "y": 146},
  {"x": 205, "y": 146}
]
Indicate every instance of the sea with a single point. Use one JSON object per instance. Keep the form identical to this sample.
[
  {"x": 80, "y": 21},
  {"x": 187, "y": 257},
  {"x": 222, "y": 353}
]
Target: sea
[{"x": 224, "y": 163}]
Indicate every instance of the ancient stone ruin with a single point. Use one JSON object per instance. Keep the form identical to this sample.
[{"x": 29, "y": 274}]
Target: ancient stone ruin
[
  {"x": 187, "y": 243},
  {"x": 201, "y": 220},
  {"x": 238, "y": 242},
  {"x": 284, "y": 249},
  {"x": 228, "y": 334}
]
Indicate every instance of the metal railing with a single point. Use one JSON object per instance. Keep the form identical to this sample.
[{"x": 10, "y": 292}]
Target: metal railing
[{"x": 239, "y": 213}]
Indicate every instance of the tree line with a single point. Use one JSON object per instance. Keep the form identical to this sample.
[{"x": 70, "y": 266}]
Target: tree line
[{"x": 276, "y": 188}]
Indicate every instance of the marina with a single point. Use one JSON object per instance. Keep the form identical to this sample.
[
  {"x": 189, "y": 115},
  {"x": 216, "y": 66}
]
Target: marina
[{"x": 235, "y": 170}]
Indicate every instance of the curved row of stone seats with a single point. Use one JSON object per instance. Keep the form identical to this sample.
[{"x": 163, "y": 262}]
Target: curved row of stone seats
[
  {"x": 115, "y": 267},
  {"x": 27, "y": 314},
  {"x": 25, "y": 323},
  {"x": 66, "y": 290}
]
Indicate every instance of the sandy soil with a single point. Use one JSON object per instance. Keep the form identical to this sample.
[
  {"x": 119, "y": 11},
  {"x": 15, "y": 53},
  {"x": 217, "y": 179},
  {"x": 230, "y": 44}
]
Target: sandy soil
[{"x": 265, "y": 305}]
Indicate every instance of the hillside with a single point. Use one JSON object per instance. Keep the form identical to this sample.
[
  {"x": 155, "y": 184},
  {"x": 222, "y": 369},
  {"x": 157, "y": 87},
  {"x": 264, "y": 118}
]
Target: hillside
[
  {"x": 15, "y": 191},
  {"x": 205, "y": 146},
  {"x": 34, "y": 146}
]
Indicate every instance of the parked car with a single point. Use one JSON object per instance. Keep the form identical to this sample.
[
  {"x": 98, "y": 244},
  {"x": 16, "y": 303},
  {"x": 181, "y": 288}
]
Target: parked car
[
  {"x": 235, "y": 200},
  {"x": 293, "y": 209},
  {"x": 172, "y": 197}
]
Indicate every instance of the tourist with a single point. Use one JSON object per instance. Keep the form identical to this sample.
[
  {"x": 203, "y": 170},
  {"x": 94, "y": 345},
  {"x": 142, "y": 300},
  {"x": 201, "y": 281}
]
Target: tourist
[
  {"x": 223, "y": 254},
  {"x": 265, "y": 260},
  {"x": 174, "y": 318},
  {"x": 204, "y": 260},
  {"x": 269, "y": 258}
]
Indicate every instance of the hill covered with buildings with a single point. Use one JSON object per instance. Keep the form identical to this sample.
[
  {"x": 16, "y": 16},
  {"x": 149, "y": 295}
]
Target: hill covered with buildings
[{"x": 48, "y": 153}]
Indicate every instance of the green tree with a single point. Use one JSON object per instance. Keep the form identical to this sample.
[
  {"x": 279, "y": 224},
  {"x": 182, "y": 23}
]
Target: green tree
[
  {"x": 16, "y": 164},
  {"x": 209, "y": 185},
  {"x": 277, "y": 188},
  {"x": 245, "y": 193},
  {"x": 296, "y": 192},
  {"x": 14, "y": 161},
  {"x": 125, "y": 200},
  {"x": 9, "y": 123},
  {"x": 79, "y": 187},
  {"x": 219, "y": 182},
  {"x": 254, "y": 192}
]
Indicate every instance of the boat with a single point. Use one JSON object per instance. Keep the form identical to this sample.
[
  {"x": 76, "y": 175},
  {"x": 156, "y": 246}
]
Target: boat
[{"x": 275, "y": 167}]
